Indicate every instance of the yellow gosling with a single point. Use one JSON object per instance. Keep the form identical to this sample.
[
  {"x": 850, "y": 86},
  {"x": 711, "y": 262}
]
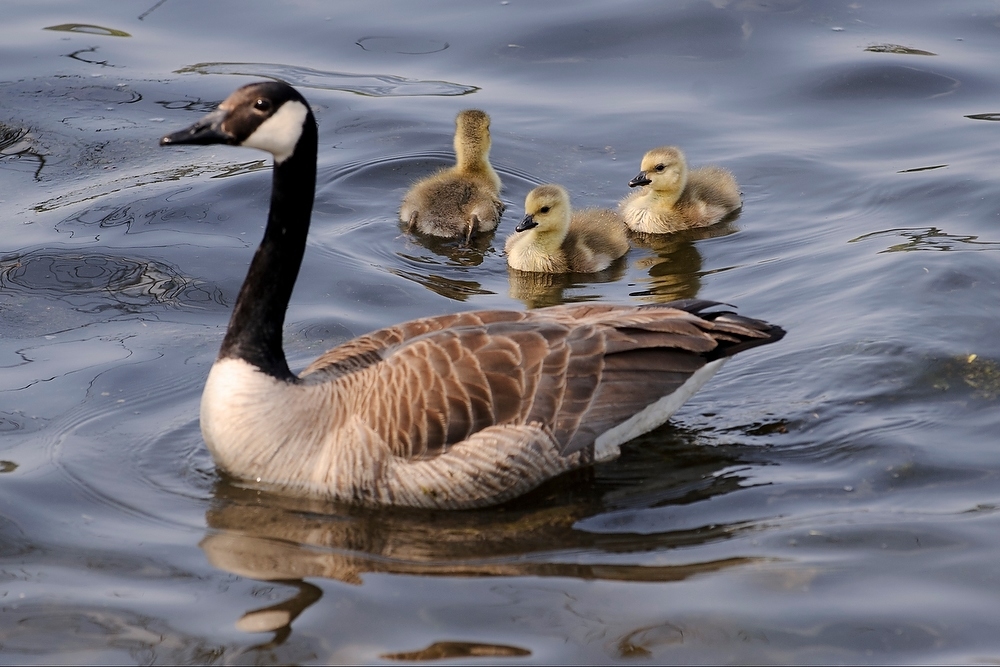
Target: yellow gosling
[
  {"x": 671, "y": 198},
  {"x": 461, "y": 200},
  {"x": 552, "y": 238}
]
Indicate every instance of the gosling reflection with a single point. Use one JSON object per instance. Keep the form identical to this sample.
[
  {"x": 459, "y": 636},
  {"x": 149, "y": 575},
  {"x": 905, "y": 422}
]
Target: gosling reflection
[
  {"x": 675, "y": 265},
  {"x": 459, "y": 254},
  {"x": 432, "y": 273},
  {"x": 537, "y": 290},
  {"x": 450, "y": 288}
]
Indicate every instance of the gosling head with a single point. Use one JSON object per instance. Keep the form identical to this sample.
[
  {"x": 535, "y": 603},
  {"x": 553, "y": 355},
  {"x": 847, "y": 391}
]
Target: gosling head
[
  {"x": 547, "y": 209},
  {"x": 270, "y": 115},
  {"x": 472, "y": 135},
  {"x": 664, "y": 169}
]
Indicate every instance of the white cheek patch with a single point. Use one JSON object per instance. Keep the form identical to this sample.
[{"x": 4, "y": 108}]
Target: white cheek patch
[{"x": 279, "y": 133}]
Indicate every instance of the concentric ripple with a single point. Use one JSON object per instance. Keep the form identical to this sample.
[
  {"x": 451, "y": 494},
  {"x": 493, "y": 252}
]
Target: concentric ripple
[{"x": 95, "y": 282}]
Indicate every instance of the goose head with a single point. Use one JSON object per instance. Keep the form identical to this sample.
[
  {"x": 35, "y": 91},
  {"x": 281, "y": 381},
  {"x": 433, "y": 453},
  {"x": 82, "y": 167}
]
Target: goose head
[
  {"x": 271, "y": 116},
  {"x": 664, "y": 169},
  {"x": 472, "y": 136},
  {"x": 547, "y": 210}
]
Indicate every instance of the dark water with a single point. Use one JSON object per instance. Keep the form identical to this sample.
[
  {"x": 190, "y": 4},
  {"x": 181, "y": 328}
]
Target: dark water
[{"x": 831, "y": 498}]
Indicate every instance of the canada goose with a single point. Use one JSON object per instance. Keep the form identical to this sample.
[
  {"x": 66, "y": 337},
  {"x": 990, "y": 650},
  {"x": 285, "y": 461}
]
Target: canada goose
[
  {"x": 674, "y": 198},
  {"x": 461, "y": 200},
  {"x": 454, "y": 411},
  {"x": 553, "y": 238}
]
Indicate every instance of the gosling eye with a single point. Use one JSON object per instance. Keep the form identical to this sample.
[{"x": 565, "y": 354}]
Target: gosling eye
[
  {"x": 659, "y": 167},
  {"x": 544, "y": 209},
  {"x": 262, "y": 105}
]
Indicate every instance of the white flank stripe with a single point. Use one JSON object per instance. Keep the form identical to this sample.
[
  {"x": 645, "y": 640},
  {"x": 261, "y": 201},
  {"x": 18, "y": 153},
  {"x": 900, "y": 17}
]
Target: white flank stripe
[
  {"x": 279, "y": 133},
  {"x": 606, "y": 445}
]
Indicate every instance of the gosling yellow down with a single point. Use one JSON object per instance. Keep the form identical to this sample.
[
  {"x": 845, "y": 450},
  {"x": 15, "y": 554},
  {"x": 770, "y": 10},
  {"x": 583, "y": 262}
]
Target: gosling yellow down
[
  {"x": 672, "y": 198},
  {"x": 552, "y": 238},
  {"x": 458, "y": 201}
]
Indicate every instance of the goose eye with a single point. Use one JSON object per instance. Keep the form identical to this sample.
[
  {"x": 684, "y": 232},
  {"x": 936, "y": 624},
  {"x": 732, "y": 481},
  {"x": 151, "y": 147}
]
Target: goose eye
[
  {"x": 659, "y": 167},
  {"x": 544, "y": 209},
  {"x": 262, "y": 105}
]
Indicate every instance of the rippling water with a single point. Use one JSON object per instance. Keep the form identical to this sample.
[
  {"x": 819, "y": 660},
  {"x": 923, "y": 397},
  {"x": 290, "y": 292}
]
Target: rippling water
[{"x": 831, "y": 498}]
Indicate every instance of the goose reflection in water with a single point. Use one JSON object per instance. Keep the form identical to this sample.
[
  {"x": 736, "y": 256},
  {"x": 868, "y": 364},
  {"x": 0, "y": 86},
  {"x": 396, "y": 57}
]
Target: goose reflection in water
[{"x": 270, "y": 537}]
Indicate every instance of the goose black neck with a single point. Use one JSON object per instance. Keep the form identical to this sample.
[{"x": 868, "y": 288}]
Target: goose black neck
[{"x": 254, "y": 333}]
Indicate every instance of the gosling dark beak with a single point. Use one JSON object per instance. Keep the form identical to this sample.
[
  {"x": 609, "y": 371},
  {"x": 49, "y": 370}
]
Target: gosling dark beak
[
  {"x": 639, "y": 180},
  {"x": 206, "y": 131},
  {"x": 526, "y": 223}
]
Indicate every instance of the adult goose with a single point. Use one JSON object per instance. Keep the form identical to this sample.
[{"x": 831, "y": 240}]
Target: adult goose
[
  {"x": 672, "y": 198},
  {"x": 458, "y": 201},
  {"x": 553, "y": 238},
  {"x": 455, "y": 411}
]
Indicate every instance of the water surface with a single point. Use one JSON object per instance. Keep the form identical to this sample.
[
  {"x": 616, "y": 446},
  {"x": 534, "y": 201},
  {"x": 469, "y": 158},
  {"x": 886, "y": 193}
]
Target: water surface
[{"x": 830, "y": 498}]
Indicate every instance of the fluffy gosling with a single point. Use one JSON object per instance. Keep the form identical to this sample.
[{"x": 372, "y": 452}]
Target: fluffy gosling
[
  {"x": 552, "y": 238},
  {"x": 672, "y": 198},
  {"x": 461, "y": 200}
]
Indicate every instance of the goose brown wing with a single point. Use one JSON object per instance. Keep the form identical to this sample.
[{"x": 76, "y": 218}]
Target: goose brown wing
[
  {"x": 439, "y": 388},
  {"x": 575, "y": 370},
  {"x": 366, "y": 350},
  {"x": 648, "y": 352}
]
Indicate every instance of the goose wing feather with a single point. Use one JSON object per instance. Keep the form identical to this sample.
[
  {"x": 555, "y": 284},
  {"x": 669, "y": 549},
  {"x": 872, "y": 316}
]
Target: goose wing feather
[{"x": 572, "y": 371}]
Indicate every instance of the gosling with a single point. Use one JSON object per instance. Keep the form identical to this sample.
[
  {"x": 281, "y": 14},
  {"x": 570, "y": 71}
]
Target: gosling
[
  {"x": 461, "y": 200},
  {"x": 552, "y": 238},
  {"x": 673, "y": 198}
]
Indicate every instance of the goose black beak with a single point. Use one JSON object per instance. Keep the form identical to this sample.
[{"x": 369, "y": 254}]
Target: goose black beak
[
  {"x": 639, "y": 180},
  {"x": 526, "y": 223},
  {"x": 206, "y": 131}
]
